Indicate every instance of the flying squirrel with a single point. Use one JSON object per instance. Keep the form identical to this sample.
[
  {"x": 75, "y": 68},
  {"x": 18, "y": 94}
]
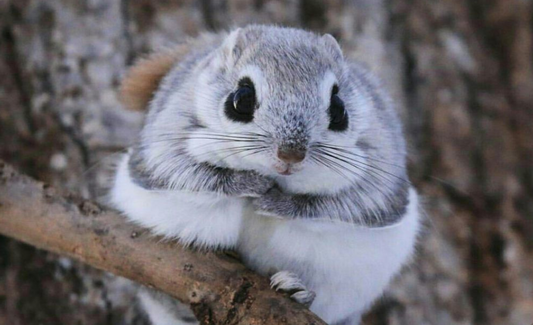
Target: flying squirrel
[{"x": 267, "y": 140}]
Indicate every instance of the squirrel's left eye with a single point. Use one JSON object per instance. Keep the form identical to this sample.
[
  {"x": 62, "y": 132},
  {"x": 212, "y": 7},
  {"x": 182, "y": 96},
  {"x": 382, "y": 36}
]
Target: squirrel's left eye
[
  {"x": 338, "y": 118},
  {"x": 240, "y": 105}
]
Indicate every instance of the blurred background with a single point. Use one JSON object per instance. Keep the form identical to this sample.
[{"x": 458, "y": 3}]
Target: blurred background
[{"x": 461, "y": 72}]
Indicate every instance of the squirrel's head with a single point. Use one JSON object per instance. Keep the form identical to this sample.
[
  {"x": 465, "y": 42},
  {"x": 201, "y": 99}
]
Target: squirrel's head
[{"x": 280, "y": 101}]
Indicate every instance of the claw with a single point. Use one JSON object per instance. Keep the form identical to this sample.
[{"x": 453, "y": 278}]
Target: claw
[
  {"x": 305, "y": 298},
  {"x": 289, "y": 282},
  {"x": 286, "y": 281}
]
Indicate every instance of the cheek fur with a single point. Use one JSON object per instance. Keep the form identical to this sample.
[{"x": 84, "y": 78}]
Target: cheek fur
[
  {"x": 314, "y": 179},
  {"x": 203, "y": 150},
  {"x": 261, "y": 162}
]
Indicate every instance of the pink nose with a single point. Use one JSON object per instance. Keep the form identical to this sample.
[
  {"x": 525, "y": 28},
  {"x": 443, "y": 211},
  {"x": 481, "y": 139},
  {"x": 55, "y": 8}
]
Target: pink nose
[{"x": 291, "y": 156}]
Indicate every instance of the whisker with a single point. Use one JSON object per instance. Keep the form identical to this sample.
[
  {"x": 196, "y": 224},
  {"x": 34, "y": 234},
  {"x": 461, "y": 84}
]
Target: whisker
[
  {"x": 101, "y": 160},
  {"x": 352, "y": 161},
  {"x": 234, "y": 135},
  {"x": 385, "y": 195},
  {"x": 206, "y": 137},
  {"x": 232, "y": 149},
  {"x": 177, "y": 142},
  {"x": 321, "y": 162},
  {"x": 323, "y": 145},
  {"x": 331, "y": 160},
  {"x": 237, "y": 152},
  {"x": 262, "y": 129},
  {"x": 366, "y": 181},
  {"x": 255, "y": 152}
]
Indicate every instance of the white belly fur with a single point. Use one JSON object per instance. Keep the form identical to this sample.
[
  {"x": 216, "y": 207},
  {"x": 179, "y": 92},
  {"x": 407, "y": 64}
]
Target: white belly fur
[
  {"x": 347, "y": 267},
  {"x": 205, "y": 219}
]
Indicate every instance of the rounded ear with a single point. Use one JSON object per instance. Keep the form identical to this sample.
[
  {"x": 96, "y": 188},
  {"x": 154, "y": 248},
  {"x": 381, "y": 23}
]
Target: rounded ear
[
  {"x": 237, "y": 40},
  {"x": 232, "y": 45},
  {"x": 143, "y": 78},
  {"x": 333, "y": 46}
]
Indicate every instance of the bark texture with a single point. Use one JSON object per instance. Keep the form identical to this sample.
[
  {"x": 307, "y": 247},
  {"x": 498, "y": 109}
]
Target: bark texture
[
  {"x": 462, "y": 74},
  {"x": 219, "y": 290}
]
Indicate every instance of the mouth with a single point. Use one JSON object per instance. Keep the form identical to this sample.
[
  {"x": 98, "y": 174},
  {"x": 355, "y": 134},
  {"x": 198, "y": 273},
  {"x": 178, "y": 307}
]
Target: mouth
[
  {"x": 286, "y": 169},
  {"x": 286, "y": 172}
]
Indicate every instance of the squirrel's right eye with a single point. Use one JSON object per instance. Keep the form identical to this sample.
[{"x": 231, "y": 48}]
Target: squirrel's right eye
[
  {"x": 240, "y": 105},
  {"x": 244, "y": 100}
]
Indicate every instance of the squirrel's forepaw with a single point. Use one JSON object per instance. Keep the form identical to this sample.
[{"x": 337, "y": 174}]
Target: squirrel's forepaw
[
  {"x": 291, "y": 283},
  {"x": 252, "y": 184},
  {"x": 269, "y": 204}
]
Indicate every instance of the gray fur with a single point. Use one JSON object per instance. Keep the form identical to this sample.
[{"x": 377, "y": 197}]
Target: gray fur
[
  {"x": 207, "y": 178},
  {"x": 338, "y": 207},
  {"x": 292, "y": 114},
  {"x": 293, "y": 63}
]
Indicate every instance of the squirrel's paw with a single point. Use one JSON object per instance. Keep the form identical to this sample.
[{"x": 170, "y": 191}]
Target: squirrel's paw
[
  {"x": 291, "y": 283},
  {"x": 251, "y": 184},
  {"x": 271, "y": 204}
]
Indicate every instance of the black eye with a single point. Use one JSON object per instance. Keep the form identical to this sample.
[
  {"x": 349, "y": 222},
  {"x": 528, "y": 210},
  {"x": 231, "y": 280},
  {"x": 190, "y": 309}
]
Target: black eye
[
  {"x": 338, "y": 119},
  {"x": 240, "y": 104}
]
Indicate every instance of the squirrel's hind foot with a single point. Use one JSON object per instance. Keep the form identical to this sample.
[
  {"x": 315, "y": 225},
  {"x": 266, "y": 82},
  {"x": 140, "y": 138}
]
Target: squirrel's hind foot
[{"x": 289, "y": 282}]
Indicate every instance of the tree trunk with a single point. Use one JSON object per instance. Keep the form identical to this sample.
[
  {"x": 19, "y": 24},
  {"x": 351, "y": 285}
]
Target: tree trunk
[{"x": 461, "y": 72}]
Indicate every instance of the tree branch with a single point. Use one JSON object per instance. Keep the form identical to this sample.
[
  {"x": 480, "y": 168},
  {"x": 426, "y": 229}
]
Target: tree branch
[{"x": 219, "y": 289}]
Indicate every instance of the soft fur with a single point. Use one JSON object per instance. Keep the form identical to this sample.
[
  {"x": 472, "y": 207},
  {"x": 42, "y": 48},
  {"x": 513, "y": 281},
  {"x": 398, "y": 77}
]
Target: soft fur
[
  {"x": 346, "y": 267},
  {"x": 343, "y": 222},
  {"x": 143, "y": 79}
]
